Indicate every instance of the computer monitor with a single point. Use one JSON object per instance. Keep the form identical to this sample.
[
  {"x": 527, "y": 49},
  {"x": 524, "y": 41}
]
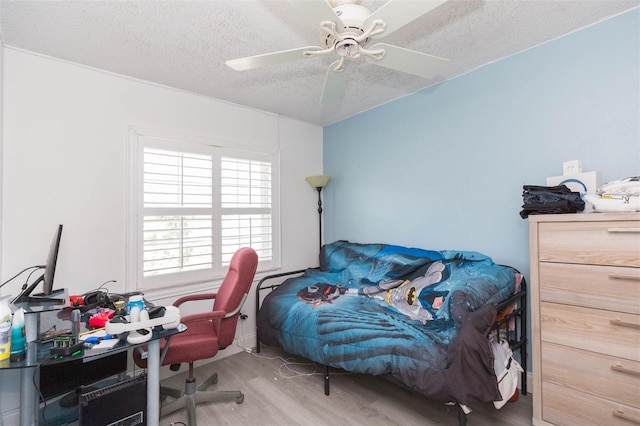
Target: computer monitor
[{"x": 48, "y": 295}]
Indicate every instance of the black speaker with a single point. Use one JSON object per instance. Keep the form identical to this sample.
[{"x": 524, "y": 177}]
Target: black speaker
[{"x": 122, "y": 404}]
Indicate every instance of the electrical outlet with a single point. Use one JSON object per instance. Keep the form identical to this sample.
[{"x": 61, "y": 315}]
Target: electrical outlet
[{"x": 573, "y": 167}]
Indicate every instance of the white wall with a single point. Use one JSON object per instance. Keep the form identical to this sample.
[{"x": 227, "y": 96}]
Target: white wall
[
  {"x": 65, "y": 161},
  {"x": 1, "y": 176}
]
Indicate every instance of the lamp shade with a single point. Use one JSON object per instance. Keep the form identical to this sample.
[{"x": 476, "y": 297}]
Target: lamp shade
[{"x": 318, "y": 181}]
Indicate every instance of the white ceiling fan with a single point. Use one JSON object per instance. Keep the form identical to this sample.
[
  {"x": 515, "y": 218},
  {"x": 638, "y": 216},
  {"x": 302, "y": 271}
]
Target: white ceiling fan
[{"x": 347, "y": 29}]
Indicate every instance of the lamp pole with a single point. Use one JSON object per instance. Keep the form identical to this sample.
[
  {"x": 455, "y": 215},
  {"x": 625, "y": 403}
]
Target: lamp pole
[
  {"x": 319, "y": 189},
  {"x": 319, "y": 182}
]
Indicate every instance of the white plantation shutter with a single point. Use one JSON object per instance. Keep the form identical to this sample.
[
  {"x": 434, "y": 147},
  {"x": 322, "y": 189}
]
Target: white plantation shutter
[
  {"x": 177, "y": 232},
  {"x": 177, "y": 243},
  {"x": 197, "y": 205},
  {"x": 246, "y": 200}
]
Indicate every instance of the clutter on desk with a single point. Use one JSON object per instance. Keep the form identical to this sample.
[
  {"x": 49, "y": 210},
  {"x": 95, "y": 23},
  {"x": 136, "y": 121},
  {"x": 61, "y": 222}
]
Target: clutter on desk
[
  {"x": 137, "y": 317},
  {"x": 5, "y": 330},
  {"x": 100, "y": 317},
  {"x": 49, "y": 335},
  {"x": 135, "y": 307},
  {"x": 621, "y": 195},
  {"x": 18, "y": 336},
  {"x": 93, "y": 340},
  {"x": 102, "y": 298},
  {"x": 94, "y": 332},
  {"x": 101, "y": 345},
  {"x": 550, "y": 200},
  {"x": 140, "y": 325},
  {"x": 98, "y": 340},
  {"x": 120, "y": 307},
  {"x": 66, "y": 346}
]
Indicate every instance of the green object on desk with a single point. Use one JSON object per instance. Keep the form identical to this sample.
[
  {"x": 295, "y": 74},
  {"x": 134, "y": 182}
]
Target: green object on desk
[{"x": 65, "y": 347}]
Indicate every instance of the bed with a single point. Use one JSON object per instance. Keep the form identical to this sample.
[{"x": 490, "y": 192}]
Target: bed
[{"x": 418, "y": 317}]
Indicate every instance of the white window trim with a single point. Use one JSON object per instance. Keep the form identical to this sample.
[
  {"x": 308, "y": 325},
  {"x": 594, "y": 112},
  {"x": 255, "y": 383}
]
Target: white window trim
[{"x": 160, "y": 285}]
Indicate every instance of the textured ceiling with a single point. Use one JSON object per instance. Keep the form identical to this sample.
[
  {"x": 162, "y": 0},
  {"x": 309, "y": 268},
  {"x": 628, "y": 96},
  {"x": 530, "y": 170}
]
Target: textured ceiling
[{"x": 184, "y": 44}]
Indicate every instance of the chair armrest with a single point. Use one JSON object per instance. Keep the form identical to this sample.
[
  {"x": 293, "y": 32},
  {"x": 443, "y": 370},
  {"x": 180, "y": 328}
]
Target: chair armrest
[
  {"x": 205, "y": 316},
  {"x": 194, "y": 297}
]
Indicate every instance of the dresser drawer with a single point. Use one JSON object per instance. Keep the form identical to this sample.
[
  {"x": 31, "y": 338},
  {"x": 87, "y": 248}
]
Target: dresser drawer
[
  {"x": 598, "y": 243},
  {"x": 604, "y": 376},
  {"x": 567, "y": 407},
  {"x": 611, "y": 288},
  {"x": 612, "y": 333}
]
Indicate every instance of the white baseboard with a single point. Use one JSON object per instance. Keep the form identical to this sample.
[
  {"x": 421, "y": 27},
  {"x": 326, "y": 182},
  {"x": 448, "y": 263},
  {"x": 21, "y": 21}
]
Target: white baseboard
[{"x": 11, "y": 417}]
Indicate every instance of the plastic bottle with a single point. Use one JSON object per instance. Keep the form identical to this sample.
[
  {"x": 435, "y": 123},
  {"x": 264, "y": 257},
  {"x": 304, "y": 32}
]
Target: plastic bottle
[
  {"x": 76, "y": 315},
  {"x": 136, "y": 305},
  {"x": 5, "y": 330},
  {"x": 18, "y": 336}
]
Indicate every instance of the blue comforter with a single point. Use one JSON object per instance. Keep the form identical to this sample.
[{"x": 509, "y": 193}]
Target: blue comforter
[{"x": 416, "y": 315}]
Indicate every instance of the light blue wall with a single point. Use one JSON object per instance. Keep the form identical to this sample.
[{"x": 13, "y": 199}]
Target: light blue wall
[{"x": 444, "y": 168}]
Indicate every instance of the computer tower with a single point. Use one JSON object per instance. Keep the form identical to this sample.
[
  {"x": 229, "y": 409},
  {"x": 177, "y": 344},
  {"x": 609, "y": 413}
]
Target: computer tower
[{"x": 121, "y": 404}]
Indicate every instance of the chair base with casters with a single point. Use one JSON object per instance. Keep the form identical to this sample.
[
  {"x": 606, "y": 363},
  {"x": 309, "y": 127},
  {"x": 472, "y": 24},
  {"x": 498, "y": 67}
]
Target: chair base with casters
[{"x": 194, "y": 394}]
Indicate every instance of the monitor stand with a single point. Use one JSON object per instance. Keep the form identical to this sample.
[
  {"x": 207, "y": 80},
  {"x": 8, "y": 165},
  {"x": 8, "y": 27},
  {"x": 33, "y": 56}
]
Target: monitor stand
[
  {"x": 40, "y": 302},
  {"x": 56, "y": 297}
]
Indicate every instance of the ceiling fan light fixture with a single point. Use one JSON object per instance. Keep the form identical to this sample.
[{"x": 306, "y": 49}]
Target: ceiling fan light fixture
[{"x": 348, "y": 48}]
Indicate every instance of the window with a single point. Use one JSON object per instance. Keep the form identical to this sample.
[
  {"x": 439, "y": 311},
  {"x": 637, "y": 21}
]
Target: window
[{"x": 196, "y": 204}]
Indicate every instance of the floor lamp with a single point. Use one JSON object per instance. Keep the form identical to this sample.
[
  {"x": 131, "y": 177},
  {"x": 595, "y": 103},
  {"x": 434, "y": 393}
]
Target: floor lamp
[{"x": 319, "y": 182}]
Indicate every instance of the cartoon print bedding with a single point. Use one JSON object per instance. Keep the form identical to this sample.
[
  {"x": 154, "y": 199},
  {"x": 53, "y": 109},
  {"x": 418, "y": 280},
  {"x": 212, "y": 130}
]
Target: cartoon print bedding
[{"x": 418, "y": 316}]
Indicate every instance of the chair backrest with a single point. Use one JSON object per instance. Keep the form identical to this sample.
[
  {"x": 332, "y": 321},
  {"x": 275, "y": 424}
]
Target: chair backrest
[{"x": 236, "y": 284}]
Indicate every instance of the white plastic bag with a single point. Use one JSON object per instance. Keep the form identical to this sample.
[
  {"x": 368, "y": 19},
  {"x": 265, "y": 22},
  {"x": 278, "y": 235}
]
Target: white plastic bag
[{"x": 507, "y": 370}]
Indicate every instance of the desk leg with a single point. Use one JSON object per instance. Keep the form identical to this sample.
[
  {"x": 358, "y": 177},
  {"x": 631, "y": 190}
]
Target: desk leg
[
  {"x": 153, "y": 383},
  {"x": 29, "y": 397},
  {"x": 29, "y": 401}
]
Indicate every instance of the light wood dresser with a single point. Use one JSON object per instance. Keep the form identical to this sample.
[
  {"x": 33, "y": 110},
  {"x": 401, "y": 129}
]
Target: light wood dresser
[{"x": 585, "y": 308}]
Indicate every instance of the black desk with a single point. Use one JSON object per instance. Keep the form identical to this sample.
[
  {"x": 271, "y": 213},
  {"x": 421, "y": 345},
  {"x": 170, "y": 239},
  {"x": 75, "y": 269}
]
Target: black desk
[{"x": 38, "y": 353}]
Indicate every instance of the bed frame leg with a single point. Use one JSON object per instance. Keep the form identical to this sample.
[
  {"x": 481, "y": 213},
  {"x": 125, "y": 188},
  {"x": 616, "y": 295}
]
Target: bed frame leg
[
  {"x": 326, "y": 380},
  {"x": 462, "y": 416}
]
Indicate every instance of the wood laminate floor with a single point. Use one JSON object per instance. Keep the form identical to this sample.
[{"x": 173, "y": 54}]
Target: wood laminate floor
[{"x": 274, "y": 397}]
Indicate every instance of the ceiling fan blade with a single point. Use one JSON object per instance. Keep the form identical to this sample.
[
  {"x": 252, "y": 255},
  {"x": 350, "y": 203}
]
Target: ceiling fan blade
[
  {"x": 251, "y": 62},
  {"x": 398, "y": 13},
  {"x": 409, "y": 61},
  {"x": 334, "y": 84},
  {"x": 317, "y": 11}
]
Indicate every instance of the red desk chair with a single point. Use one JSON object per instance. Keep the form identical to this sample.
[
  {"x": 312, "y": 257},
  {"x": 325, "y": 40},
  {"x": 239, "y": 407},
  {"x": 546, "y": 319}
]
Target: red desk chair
[{"x": 206, "y": 333}]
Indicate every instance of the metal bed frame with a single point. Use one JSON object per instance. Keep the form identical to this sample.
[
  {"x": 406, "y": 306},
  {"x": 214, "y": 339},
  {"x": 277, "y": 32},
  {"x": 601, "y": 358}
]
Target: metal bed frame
[{"x": 517, "y": 337}]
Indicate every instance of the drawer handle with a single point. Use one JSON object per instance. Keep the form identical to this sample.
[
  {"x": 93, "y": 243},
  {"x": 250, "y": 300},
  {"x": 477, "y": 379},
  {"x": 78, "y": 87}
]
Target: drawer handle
[
  {"x": 621, "y": 414},
  {"x": 623, "y": 229},
  {"x": 622, "y": 369},
  {"x": 621, "y": 323},
  {"x": 625, "y": 277}
]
